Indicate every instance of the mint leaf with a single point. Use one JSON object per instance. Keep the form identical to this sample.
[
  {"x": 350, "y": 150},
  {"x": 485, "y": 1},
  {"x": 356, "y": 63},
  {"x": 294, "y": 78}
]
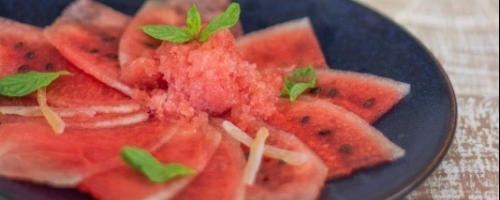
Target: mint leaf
[
  {"x": 301, "y": 80},
  {"x": 169, "y": 33},
  {"x": 164, "y": 172},
  {"x": 226, "y": 20},
  {"x": 288, "y": 86},
  {"x": 19, "y": 85},
  {"x": 142, "y": 161},
  {"x": 193, "y": 21},
  {"x": 305, "y": 72},
  {"x": 298, "y": 89}
]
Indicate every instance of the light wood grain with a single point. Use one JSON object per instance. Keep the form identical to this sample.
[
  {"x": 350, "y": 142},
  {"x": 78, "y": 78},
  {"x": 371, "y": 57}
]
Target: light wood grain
[{"x": 464, "y": 36}]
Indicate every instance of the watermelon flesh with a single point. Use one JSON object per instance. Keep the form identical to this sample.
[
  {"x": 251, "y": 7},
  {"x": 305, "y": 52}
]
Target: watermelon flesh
[
  {"x": 87, "y": 34},
  {"x": 340, "y": 138},
  {"x": 207, "y": 77},
  {"x": 192, "y": 145},
  {"x": 22, "y": 52},
  {"x": 171, "y": 12},
  {"x": 65, "y": 160},
  {"x": 366, "y": 95},
  {"x": 277, "y": 180},
  {"x": 222, "y": 178},
  {"x": 288, "y": 45}
]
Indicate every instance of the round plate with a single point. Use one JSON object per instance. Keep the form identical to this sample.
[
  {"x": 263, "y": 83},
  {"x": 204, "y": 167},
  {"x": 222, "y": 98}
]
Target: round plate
[{"x": 353, "y": 38}]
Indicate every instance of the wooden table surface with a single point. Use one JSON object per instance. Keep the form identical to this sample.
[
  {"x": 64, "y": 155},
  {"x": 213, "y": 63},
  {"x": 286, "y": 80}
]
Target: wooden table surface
[{"x": 464, "y": 36}]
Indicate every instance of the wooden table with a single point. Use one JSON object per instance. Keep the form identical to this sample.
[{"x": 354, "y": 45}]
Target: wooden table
[{"x": 464, "y": 36}]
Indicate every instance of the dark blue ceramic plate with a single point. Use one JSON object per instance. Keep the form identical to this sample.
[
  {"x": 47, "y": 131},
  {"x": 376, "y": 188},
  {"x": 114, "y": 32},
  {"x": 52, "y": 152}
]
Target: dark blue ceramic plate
[{"x": 353, "y": 38}]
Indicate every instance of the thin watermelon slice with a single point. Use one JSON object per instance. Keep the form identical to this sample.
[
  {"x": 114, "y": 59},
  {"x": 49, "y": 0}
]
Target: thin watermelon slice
[
  {"x": 277, "y": 180},
  {"x": 341, "y": 139},
  {"x": 366, "y": 95},
  {"x": 24, "y": 48},
  {"x": 192, "y": 145},
  {"x": 222, "y": 178},
  {"x": 290, "y": 44},
  {"x": 172, "y": 12},
  {"x": 30, "y": 150},
  {"x": 87, "y": 34}
]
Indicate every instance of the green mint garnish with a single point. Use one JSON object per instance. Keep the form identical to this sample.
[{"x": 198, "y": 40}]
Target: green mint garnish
[
  {"x": 175, "y": 34},
  {"x": 19, "y": 85},
  {"x": 226, "y": 20},
  {"x": 193, "y": 21},
  {"x": 142, "y": 161},
  {"x": 168, "y": 33},
  {"x": 301, "y": 80}
]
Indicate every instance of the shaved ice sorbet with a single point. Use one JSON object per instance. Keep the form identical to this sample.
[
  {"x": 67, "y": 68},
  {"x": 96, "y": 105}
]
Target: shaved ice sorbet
[{"x": 200, "y": 79}]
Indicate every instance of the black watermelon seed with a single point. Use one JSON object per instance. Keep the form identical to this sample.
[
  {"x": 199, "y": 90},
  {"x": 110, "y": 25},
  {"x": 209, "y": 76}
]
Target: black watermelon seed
[
  {"x": 266, "y": 179},
  {"x": 149, "y": 45},
  {"x": 30, "y": 55},
  {"x": 49, "y": 67},
  {"x": 345, "y": 149},
  {"x": 108, "y": 38},
  {"x": 325, "y": 132},
  {"x": 94, "y": 51},
  {"x": 112, "y": 56},
  {"x": 281, "y": 162},
  {"x": 305, "y": 120},
  {"x": 19, "y": 45},
  {"x": 332, "y": 93},
  {"x": 369, "y": 103},
  {"x": 24, "y": 68},
  {"x": 315, "y": 90}
]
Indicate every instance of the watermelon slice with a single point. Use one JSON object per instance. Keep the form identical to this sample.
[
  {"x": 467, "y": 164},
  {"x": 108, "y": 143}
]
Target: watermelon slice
[
  {"x": 192, "y": 145},
  {"x": 87, "y": 34},
  {"x": 222, "y": 178},
  {"x": 277, "y": 180},
  {"x": 290, "y": 44},
  {"x": 134, "y": 42},
  {"x": 24, "y": 48},
  {"x": 341, "y": 139},
  {"x": 30, "y": 150},
  {"x": 366, "y": 95}
]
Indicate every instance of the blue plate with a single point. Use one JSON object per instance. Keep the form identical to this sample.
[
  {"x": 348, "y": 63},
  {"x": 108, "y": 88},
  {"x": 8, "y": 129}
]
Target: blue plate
[{"x": 353, "y": 38}]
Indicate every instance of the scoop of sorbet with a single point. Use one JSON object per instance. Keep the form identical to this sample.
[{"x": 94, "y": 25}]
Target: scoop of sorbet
[{"x": 182, "y": 80}]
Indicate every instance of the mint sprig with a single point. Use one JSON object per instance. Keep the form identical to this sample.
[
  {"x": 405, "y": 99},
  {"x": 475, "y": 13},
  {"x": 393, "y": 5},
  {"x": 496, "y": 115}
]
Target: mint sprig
[
  {"x": 19, "y": 85},
  {"x": 193, "y": 21},
  {"x": 224, "y": 21},
  {"x": 176, "y": 34},
  {"x": 143, "y": 162},
  {"x": 168, "y": 33},
  {"x": 301, "y": 80}
]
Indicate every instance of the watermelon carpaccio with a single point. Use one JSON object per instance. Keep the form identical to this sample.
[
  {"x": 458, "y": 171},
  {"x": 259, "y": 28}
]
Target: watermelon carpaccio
[
  {"x": 197, "y": 81},
  {"x": 22, "y": 52},
  {"x": 365, "y": 95},
  {"x": 65, "y": 160},
  {"x": 277, "y": 180},
  {"x": 87, "y": 34},
  {"x": 340, "y": 138},
  {"x": 135, "y": 42},
  {"x": 265, "y": 47},
  {"x": 224, "y": 171},
  {"x": 191, "y": 145}
]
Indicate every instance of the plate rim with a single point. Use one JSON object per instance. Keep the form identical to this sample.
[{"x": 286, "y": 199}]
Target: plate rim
[{"x": 423, "y": 175}]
